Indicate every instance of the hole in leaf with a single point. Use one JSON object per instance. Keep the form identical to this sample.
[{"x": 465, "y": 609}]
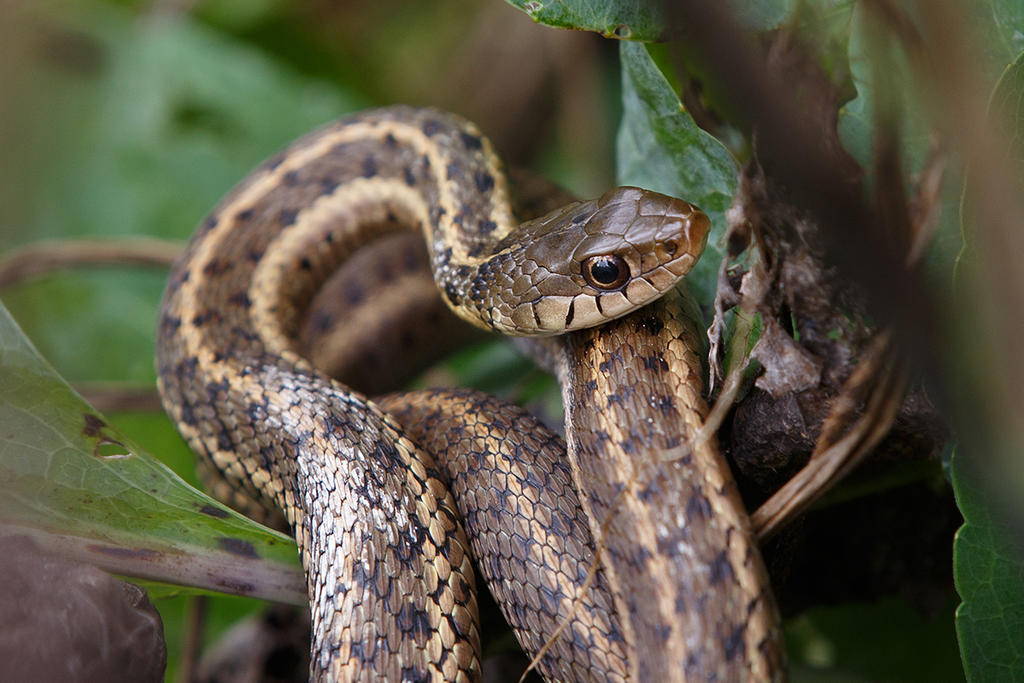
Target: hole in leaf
[{"x": 111, "y": 450}]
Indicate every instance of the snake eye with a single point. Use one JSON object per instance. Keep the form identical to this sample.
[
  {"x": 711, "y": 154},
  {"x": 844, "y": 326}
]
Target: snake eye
[{"x": 606, "y": 272}]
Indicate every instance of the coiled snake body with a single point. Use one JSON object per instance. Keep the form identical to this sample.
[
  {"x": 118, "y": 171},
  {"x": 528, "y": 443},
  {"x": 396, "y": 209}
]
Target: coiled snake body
[{"x": 382, "y": 542}]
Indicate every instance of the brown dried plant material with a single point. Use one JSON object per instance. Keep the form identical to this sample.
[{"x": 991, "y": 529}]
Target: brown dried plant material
[
  {"x": 879, "y": 388},
  {"x": 64, "y": 620}
]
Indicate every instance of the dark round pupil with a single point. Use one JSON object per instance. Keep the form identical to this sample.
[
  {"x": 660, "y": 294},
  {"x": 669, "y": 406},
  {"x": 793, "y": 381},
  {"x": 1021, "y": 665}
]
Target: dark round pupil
[{"x": 605, "y": 270}]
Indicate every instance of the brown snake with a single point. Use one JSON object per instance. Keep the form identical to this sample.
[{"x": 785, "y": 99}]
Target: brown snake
[{"x": 680, "y": 592}]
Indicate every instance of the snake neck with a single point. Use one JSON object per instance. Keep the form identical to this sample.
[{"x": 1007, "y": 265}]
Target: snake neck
[{"x": 686, "y": 574}]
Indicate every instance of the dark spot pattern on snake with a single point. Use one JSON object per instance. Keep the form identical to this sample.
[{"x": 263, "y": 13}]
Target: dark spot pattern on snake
[
  {"x": 665, "y": 404},
  {"x": 470, "y": 141},
  {"x": 216, "y": 267},
  {"x": 655, "y": 362},
  {"x": 328, "y": 185},
  {"x": 698, "y": 508},
  {"x": 484, "y": 181},
  {"x": 287, "y": 217},
  {"x": 240, "y": 299},
  {"x": 370, "y": 166},
  {"x": 431, "y": 127},
  {"x": 721, "y": 569}
]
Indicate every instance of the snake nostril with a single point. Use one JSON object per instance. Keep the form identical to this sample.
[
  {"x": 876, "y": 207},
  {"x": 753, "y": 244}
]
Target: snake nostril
[{"x": 670, "y": 247}]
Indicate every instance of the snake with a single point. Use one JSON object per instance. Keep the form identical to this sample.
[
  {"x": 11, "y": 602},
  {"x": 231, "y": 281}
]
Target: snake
[{"x": 364, "y": 484}]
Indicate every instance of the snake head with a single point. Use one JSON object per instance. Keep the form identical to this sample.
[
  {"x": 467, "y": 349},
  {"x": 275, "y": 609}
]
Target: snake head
[{"x": 594, "y": 261}]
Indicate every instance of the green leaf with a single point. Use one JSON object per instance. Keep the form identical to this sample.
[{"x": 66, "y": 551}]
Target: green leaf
[
  {"x": 634, "y": 20},
  {"x": 884, "y": 640},
  {"x": 1006, "y": 109},
  {"x": 640, "y": 19},
  {"x": 763, "y": 14},
  {"x": 660, "y": 148},
  {"x": 142, "y": 133},
  {"x": 1001, "y": 24},
  {"x": 80, "y": 487},
  {"x": 872, "y": 54},
  {"x": 238, "y": 15},
  {"x": 988, "y": 556},
  {"x": 988, "y": 568},
  {"x": 882, "y": 73}
]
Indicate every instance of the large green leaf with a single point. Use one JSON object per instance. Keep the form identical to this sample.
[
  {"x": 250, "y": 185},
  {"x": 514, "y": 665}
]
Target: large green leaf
[
  {"x": 988, "y": 555},
  {"x": 79, "y": 487},
  {"x": 988, "y": 567},
  {"x": 659, "y": 147},
  {"x": 639, "y": 19}
]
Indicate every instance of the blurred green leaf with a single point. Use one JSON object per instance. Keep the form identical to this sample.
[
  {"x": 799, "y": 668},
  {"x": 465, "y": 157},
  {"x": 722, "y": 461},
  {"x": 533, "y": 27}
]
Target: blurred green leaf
[
  {"x": 874, "y": 56},
  {"x": 884, "y": 641},
  {"x": 81, "y": 488},
  {"x": 988, "y": 568},
  {"x": 988, "y": 555},
  {"x": 763, "y": 14},
  {"x": 1006, "y": 109},
  {"x": 641, "y": 20},
  {"x": 1002, "y": 29},
  {"x": 151, "y": 121},
  {"x": 237, "y": 15},
  {"x": 885, "y": 78},
  {"x": 659, "y": 147}
]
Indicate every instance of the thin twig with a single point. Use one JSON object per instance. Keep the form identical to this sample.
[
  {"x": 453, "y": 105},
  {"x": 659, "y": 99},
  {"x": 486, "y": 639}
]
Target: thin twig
[
  {"x": 39, "y": 258},
  {"x": 114, "y": 398},
  {"x": 195, "y": 622}
]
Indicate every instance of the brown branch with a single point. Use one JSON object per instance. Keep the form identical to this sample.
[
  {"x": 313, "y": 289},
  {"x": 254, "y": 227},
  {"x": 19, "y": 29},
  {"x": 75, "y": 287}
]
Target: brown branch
[
  {"x": 195, "y": 625},
  {"x": 108, "y": 398},
  {"x": 39, "y": 258}
]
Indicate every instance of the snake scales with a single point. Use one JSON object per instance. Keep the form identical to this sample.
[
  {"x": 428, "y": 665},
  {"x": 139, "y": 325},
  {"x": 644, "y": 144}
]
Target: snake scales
[{"x": 679, "y": 593}]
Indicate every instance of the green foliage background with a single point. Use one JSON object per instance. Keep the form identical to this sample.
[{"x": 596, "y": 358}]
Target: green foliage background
[{"x": 124, "y": 117}]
